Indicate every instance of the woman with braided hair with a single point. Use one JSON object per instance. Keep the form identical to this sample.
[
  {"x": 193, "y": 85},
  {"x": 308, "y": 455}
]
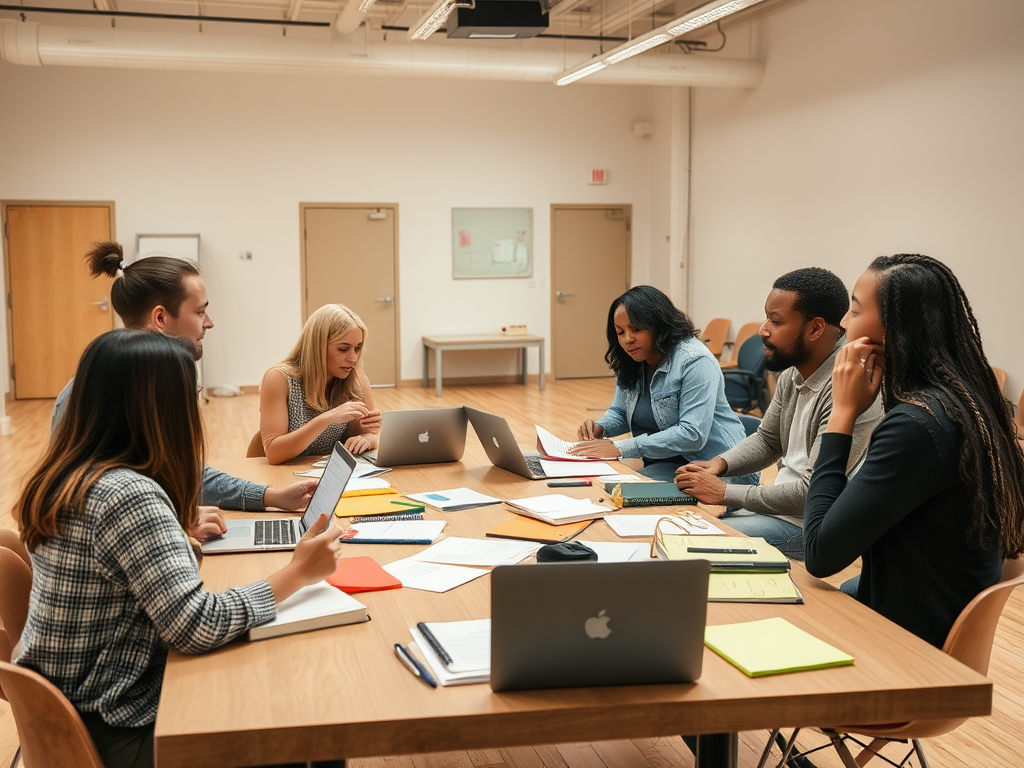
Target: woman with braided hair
[{"x": 939, "y": 500}]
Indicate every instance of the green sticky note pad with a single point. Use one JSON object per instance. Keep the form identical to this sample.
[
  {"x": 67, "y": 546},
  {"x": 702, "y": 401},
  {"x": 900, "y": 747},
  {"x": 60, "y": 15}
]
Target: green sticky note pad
[{"x": 771, "y": 647}]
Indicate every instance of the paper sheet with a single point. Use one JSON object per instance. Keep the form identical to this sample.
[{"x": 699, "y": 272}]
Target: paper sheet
[
  {"x": 398, "y": 530},
  {"x": 634, "y": 526},
  {"x": 431, "y": 577},
  {"x": 575, "y": 468},
  {"x": 619, "y": 551},
  {"x": 484, "y": 552}
]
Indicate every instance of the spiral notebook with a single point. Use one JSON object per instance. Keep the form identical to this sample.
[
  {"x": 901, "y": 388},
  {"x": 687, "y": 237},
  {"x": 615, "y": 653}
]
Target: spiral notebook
[{"x": 648, "y": 495}]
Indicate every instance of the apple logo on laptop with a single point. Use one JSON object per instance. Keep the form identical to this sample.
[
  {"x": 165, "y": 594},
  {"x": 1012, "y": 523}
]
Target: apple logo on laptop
[
  {"x": 424, "y": 436},
  {"x": 597, "y": 626},
  {"x": 495, "y": 441}
]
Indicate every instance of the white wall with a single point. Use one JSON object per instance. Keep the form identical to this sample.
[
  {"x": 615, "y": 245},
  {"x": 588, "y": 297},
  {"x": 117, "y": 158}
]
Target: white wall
[
  {"x": 881, "y": 126},
  {"x": 231, "y": 156}
]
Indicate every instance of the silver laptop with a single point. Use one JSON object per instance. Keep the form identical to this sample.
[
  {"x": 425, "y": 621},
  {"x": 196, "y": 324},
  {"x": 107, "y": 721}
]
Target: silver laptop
[
  {"x": 502, "y": 449},
  {"x": 420, "y": 436},
  {"x": 262, "y": 533},
  {"x": 568, "y": 625}
]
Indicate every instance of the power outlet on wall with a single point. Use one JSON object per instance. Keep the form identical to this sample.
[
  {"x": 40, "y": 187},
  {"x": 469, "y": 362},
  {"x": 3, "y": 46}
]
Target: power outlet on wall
[{"x": 245, "y": 255}]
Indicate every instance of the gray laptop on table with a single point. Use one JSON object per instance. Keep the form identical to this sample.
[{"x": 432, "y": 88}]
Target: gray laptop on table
[
  {"x": 501, "y": 447},
  {"x": 569, "y": 625},
  {"x": 420, "y": 436},
  {"x": 249, "y": 534}
]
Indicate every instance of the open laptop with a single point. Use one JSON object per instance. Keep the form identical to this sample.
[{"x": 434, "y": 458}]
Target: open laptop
[
  {"x": 503, "y": 451},
  {"x": 568, "y": 625},
  {"x": 420, "y": 436},
  {"x": 249, "y": 534}
]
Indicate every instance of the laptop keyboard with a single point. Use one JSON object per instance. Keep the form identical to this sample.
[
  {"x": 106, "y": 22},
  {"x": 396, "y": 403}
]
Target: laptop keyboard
[
  {"x": 270, "y": 532},
  {"x": 534, "y": 465}
]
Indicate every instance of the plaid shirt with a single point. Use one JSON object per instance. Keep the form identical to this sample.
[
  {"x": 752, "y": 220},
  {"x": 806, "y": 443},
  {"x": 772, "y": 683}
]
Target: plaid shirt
[{"x": 118, "y": 588}]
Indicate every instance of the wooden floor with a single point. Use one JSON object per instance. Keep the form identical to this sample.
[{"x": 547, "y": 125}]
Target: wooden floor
[{"x": 997, "y": 740}]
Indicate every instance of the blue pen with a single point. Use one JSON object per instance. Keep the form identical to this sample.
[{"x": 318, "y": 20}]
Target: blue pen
[
  {"x": 386, "y": 541},
  {"x": 414, "y": 666}
]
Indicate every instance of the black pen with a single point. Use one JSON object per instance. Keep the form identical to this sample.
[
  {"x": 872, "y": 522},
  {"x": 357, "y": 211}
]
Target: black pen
[
  {"x": 414, "y": 666},
  {"x": 714, "y": 551}
]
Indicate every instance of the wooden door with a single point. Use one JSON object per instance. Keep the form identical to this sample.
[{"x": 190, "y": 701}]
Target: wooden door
[
  {"x": 56, "y": 306},
  {"x": 590, "y": 263},
  {"x": 350, "y": 257}
]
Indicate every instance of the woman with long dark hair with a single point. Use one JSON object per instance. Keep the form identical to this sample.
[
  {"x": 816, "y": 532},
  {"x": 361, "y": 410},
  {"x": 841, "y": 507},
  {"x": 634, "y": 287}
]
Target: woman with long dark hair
[
  {"x": 669, "y": 390},
  {"x": 115, "y": 582},
  {"x": 939, "y": 500}
]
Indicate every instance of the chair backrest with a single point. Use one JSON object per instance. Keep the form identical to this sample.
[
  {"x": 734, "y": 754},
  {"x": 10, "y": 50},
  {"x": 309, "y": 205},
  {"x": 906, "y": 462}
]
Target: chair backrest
[
  {"x": 49, "y": 727},
  {"x": 1000, "y": 377},
  {"x": 255, "y": 449},
  {"x": 745, "y": 332},
  {"x": 970, "y": 639},
  {"x": 750, "y": 423},
  {"x": 12, "y": 540},
  {"x": 751, "y": 355},
  {"x": 15, "y": 588},
  {"x": 715, "y": 333}
]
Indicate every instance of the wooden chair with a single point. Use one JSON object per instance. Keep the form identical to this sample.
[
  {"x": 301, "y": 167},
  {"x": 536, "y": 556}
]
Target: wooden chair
[
  {"x": 1000, "y": 377},
  {"x": 715, "y": 333},
  {"x": 49, "y": 727},
  {"x": 745, "y": 332},
  {"x": 255, "y": 449},
  {"x": 12, "y": 540},
  {"x": 969, "y": 642},
  {"x": 15, "y": 588}
]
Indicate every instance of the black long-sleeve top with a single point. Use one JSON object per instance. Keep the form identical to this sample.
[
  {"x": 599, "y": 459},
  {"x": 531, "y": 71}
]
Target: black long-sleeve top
[{"x": 905, "y": 512}]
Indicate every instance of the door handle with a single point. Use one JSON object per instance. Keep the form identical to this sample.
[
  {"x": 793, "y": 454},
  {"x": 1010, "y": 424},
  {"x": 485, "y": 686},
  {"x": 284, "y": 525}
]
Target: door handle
[
  {"x": 561, "y": 295},
  {"x": 386, "y": 300},
  {"x": 104, "y": 305}
]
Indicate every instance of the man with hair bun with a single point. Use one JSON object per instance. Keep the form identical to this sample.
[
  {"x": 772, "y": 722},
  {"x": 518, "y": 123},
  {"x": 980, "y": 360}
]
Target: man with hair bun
[
  {"x": 802, "y": 336},
  {"x": 165, "y": 294}
]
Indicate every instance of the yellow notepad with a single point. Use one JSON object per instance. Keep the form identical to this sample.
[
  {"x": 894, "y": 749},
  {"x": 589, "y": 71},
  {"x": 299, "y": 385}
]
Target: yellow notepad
[
  {"x": 752, "y": 588},
  {"x": 772, "y": 646},
  {"x": 388, "y": 504}
]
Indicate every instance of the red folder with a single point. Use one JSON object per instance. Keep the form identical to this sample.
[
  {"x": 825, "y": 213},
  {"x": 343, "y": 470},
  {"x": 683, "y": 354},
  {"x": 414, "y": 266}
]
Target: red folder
[{"x": 361, "y": 574}]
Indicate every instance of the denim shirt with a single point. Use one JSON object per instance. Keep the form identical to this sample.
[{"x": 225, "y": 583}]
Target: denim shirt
[{"x": 688, "y": 400}]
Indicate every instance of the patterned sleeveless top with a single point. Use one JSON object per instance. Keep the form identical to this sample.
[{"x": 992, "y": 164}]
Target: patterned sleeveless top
[{"x": 300, "y": 413}]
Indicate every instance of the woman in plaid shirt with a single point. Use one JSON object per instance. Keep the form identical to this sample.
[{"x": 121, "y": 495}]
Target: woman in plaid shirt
[{"x": 104, "y": 514}]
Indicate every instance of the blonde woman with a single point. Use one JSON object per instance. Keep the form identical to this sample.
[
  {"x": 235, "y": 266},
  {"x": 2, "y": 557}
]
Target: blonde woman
[{"x": 319, "y": 393}]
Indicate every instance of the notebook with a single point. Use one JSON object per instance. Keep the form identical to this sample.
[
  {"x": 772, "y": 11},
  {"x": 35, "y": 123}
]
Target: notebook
[
  {"x": 387, "y": 504},
  {"x": 528, "y": 529},
  {"x": 648, "y": 494},
  {"x": 753, "y": 588},
  {"x": 771, "y": 647},
  {"x": 557, "y": 508},
  {"x": 420, "y": 436},
  {"x": 503, "y": 451},
  {"x": 453, "y": 499},
  {"x": 314, "y": 607},
  {"x": 724, "y": 553},
  {"x": 262, "y": 533},
  {"x": 558, "y": 625}
]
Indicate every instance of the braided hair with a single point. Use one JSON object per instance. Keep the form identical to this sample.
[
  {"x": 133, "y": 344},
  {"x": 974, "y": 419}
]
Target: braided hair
[{"x": 932, "y": 342}]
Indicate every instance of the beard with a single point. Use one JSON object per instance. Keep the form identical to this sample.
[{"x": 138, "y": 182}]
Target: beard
[
  {"x": 197, "y": 350},
  {"x": 781, "y": 360}
]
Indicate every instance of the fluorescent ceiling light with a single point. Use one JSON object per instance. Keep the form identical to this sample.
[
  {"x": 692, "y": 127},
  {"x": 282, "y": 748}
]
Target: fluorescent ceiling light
[
  {"x": 706, "y": 14},
  {"x": 432, "y": 20},
  {"x": 364, "y": 5}
]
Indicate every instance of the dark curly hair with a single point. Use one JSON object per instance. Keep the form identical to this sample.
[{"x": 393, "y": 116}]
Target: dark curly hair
[
  {"x": 932, "y": 343},
  {"x": 819, "y": 293},
  {"x": 651, "y": 310}
]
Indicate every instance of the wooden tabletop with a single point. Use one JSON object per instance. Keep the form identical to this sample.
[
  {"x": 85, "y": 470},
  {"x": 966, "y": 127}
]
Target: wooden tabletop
[
  {"x": 481, "y": 338},
  {"x": 341, "y": 692}
]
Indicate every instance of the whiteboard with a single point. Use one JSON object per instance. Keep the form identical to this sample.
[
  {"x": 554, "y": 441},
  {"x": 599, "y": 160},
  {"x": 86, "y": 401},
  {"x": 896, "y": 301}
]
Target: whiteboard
[{"x": 178, "y": 246}]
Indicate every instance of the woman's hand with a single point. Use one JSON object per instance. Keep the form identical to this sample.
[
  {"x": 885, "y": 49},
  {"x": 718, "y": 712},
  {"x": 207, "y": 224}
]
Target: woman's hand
[
  {"x": 856, "y": 379},
  {"x": 210, "y": 526},
  {"x": 371, "y": 421},
  {"x": 292, "y": 498},
  {"x": 590, "y": 430},
  {"x": 361, "y": 443},
  {"x": 353, "y": 410},
  {"x": 315, "y": 558},
  {"x": 597, "y": 449}
]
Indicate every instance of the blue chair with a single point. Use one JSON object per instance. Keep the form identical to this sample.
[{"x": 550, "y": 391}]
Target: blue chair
[
  {"x": 745, "y": 386},
  {"x": 750, "y": 423}
]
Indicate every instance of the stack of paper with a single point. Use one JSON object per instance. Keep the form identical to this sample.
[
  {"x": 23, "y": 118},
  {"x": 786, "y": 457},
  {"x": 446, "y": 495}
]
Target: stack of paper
[
  {"x": 458, "y": 652},
  {"x": 484, "y": 552},
  {"x": 314, "y": 607},
  {"x": 772, "y": 646},
  {"x": 453, "y": 499},
  {"x": 557, "y": 508},
  {"x": 635, "y": 526},
  {"x": 394, "y": 532},
  {"x": 556, "y": 447}
]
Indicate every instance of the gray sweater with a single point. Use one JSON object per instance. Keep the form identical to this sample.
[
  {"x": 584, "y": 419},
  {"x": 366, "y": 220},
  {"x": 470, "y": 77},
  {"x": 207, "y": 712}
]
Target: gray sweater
[
  {"x": 219, "y": 488},
  {"x": 768, "y": 444}
]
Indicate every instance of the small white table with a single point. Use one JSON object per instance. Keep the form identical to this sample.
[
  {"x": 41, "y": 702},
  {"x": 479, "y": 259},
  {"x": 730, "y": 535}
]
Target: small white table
[{"x": 479, "y": 341}]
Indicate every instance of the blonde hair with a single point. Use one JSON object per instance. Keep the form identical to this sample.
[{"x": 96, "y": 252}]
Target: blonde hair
[{"x": 308, "y": 359}]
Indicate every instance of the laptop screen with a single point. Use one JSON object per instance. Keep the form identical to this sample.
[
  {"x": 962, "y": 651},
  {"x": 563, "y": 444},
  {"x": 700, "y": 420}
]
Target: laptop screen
[{"x": 332, "y": 485}]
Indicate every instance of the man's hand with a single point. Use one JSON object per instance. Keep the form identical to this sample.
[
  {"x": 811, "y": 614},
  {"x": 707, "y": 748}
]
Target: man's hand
[
  {"x": 210, "y": 526},
  {"x": 291, "y": 498},
  {"x": 701, "y": 483}
]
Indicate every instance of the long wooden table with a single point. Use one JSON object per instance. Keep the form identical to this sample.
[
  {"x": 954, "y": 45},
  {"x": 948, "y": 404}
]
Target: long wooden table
[
  {"x": 464, "y": 342},
  {"x": 341, "y": 692}
]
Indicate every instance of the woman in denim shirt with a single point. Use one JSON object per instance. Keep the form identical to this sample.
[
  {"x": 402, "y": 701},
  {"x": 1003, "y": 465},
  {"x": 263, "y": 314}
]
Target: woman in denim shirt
[{"x": 669, "y": 390}]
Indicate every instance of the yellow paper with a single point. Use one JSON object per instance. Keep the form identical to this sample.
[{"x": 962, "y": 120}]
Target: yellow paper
[
  {"x": 772, "y": 646},
  {"x": 752, "y": 588},
  {"x": 354, "y": 506}
]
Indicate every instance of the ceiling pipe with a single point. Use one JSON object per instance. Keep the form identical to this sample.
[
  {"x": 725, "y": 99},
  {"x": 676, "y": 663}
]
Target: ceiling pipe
[
  {"x": 350, "y": 18},
  {"x": 32, "y": 44}
]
